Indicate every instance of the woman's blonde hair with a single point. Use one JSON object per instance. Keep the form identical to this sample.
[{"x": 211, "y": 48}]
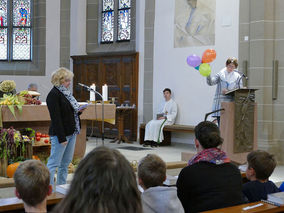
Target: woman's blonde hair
[{"x": 60, "y": 75}]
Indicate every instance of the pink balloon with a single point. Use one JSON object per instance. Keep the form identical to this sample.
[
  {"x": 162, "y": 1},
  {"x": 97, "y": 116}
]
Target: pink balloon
[{"x": 193, "y": 60}]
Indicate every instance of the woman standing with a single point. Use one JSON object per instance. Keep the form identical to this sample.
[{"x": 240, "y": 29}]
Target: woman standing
[
  {"x": 65, "y": 124},
  {"x": 227, "y": 79}
]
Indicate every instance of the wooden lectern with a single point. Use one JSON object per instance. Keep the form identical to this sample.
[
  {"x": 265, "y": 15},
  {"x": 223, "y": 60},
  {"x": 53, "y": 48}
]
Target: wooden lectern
[{"x": 238, "y": 124}]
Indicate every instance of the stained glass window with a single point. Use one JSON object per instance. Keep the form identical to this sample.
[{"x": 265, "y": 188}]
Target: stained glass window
[
  {"x": 124, "y": 21},
  {"x": 3, "y": 13},
  {"x": 15, "y": 30},
  {"x": 3, "y": 30},
  {"x": 3, "y": 44},
  {"x": 21, "y": 30},
  {"x": 21, "y": 13},
  {"x": 124, "y": 4},
  {"x": 107, "y": 21},
  {"x": 21, "y": 44}
]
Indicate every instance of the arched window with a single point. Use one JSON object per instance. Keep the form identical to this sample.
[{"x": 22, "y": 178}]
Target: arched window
[
  {"x": 124, "y": 23},
  {"x": 107, "y": 21},
  {"x": 15, "y": 30},
  {"x": 111, "y": 20}
]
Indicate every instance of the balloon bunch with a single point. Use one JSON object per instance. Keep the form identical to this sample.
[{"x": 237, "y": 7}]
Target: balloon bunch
[{"x": 202, "y": 65}]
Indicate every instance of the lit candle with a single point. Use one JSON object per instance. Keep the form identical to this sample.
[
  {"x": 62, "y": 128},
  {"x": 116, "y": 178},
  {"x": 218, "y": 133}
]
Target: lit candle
[
  {"x": 105, "y": 93},
  {"x": 93, "y": 94}
]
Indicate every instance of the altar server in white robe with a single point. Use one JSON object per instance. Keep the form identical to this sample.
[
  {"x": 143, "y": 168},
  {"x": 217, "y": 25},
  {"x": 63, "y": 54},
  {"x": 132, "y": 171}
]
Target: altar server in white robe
[{"x": 166, "y": 116}]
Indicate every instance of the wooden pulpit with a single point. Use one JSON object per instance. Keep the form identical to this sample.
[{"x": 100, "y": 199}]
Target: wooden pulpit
[{"x": 238, "y": 124}]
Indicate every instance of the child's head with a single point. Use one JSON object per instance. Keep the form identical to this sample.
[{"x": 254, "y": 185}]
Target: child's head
[
  {"x": 261, "y": 164},
  {"x": 151, "y": 171},
  {"x": 32, "y": 182}
]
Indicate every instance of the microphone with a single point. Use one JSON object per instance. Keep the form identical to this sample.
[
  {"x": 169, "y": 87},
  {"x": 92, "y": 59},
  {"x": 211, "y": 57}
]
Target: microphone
[
  {"x": 242, "y": 75},
  {"x": 91, "y": 89},
  {"x": 245, "y": 76},
  {"x": 85, "y": 86}
]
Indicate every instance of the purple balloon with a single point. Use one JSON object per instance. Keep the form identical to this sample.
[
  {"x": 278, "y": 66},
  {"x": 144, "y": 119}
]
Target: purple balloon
[{"x": 193, "y": 60}]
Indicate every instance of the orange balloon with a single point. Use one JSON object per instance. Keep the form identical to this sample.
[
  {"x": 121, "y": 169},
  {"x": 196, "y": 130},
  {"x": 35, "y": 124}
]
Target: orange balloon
[
  {"x": 11, "y": 169},
  {"x": 208, "y": 56}
]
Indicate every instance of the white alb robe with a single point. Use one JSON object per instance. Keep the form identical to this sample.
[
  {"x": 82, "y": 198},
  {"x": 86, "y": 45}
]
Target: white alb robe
[{"x": 155, "y": 127}]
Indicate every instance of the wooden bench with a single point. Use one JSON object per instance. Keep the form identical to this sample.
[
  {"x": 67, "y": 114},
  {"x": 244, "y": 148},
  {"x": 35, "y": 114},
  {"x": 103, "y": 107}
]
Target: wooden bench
[
  {"x": 16, "y": 205},
  {"x": 265, "y": 207},
  {"x": 168, "y": 129},
  {"x": 7, "y": 182},
  {"x": 171, "y": 165}
]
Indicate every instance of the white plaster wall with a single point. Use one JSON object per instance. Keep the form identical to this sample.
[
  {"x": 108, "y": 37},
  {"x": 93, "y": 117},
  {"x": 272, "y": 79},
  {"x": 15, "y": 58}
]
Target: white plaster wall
[
  {"x": 190, "y": 91},
  {"x": 140, "y": 23},
  {"x": 52, "y": 52},
  {"x": 78, "y": 27}
]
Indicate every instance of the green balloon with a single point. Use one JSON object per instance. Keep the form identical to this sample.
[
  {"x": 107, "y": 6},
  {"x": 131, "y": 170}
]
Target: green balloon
[{"x": 205, "y": 69}]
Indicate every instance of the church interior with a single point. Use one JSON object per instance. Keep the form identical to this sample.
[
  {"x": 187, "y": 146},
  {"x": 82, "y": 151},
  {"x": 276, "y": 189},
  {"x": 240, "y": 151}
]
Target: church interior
[{"x": 139, "y": 78}]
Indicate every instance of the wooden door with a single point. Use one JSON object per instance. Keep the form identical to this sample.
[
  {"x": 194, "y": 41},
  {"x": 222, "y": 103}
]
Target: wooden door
[{"x": 120, "y": 72}]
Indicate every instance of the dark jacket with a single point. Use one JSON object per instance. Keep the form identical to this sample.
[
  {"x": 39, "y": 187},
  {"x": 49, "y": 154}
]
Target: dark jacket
[
  {"x": 205, "y": 186},
  {"x": 256, "y": 191},
  {"x": 62, "y": 115}
]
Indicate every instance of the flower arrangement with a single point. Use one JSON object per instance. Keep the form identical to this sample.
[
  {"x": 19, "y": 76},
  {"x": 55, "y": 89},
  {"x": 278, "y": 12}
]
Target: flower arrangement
[
  {"x": 11, "y": 101},
  {"x": 13, "y": 145},
  {"x": 7, "y": 86}
]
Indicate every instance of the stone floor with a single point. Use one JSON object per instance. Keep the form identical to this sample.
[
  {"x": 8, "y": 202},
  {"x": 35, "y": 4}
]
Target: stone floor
[{"x": 168, "y": 154}]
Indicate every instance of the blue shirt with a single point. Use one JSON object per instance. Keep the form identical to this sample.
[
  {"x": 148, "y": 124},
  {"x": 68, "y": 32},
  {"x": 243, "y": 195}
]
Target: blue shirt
[{"x": 255, "y": 190}]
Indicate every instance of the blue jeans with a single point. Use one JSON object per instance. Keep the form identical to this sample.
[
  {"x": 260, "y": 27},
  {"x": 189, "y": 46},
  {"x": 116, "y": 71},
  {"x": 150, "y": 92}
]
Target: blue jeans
[{"x": 60, "y": 157}]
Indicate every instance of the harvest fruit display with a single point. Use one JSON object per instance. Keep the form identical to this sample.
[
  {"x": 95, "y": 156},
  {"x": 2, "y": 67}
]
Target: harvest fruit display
[
  {"x": 42, "y": 139},
  {"x": 11, "y": 169},
  {"x": 29, "y": 97}
]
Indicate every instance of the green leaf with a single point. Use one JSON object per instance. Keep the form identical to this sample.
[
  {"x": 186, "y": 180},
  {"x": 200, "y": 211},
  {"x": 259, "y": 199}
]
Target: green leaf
[
  {"x": 20, "y": 108},
  {"x": 12, "y": 109},
  {"x": 1, "y": 122}
]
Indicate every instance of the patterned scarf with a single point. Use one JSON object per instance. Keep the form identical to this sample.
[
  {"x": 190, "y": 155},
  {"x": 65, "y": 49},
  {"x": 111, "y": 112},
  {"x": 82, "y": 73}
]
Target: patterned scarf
[
  {"x": 67, "y": 93},
  {"x": 212, "y": 155}
]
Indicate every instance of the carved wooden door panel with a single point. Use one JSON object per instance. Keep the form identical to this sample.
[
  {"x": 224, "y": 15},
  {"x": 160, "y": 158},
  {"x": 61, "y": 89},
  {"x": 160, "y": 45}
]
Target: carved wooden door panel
[{"x": 120, "y": 73}]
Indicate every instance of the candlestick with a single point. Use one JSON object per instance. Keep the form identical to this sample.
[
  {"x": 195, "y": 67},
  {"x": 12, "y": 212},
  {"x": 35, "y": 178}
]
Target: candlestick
[
  {"x": 93, "y": 94},
  {"x": 105, "y": 92}
]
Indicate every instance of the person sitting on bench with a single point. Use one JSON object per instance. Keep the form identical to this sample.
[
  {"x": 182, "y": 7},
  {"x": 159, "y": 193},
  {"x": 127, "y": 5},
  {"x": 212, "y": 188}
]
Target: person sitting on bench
[{"x": 166, "y": 116}]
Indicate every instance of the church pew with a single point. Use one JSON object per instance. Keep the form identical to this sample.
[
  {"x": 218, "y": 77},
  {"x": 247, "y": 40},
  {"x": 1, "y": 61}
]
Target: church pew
[
  {"x": 168, "y": 129},
  {"x": 264, "y": 208},
  {"x": 14, "y": 204}
]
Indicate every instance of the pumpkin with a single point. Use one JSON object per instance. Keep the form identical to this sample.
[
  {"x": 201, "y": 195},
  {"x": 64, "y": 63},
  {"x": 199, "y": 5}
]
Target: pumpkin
[
  {"x": 35, "y": 157},
  {"x": 11, "y": 169}
]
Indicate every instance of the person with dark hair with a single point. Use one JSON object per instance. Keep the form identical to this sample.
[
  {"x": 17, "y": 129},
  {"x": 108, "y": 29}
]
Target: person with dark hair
[
  {"x": 209, "y": 181},
  {"x": 261, "y": 164},
  {"x": 166, "y": 116},
  {"x": 103, "y": 182},
  {"x": 156, "y": 197},
  {"x": 227, "y": 79},
  {"x": 32, "y": 87},
  {"x": 32, "y": 185}
]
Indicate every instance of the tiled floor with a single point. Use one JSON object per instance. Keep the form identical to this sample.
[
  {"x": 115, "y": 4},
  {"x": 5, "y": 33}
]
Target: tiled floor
[{"x": 168, "y": 154}]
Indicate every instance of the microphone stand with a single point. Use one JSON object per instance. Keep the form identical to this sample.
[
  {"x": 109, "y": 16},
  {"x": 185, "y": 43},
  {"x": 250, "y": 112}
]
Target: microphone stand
[
  {"x": 103, "y": 113},
  {"x": 239, "y": 80}
]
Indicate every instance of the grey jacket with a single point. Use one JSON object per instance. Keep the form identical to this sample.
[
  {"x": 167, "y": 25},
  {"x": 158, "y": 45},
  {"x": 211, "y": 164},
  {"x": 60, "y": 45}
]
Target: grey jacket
[{"x": 161, "y": 199}]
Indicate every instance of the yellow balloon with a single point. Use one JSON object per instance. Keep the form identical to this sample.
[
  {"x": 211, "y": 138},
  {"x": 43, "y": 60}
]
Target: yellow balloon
[{"x": 205, "y": 69}]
